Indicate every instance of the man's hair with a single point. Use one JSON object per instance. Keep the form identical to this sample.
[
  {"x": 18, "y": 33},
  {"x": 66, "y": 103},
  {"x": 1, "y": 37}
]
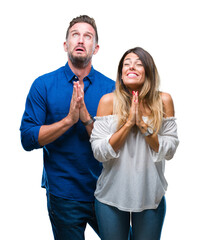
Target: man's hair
[{"x": 83, "y": 19}]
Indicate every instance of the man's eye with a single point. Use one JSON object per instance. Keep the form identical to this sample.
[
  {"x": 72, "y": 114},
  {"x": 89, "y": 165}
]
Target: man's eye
[
  {"x": 88, "y": 37},
  {"x": 75, "y": 35}
]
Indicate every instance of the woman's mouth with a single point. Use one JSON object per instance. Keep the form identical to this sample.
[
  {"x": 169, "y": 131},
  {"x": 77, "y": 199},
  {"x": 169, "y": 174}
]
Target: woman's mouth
[{"x": 132, "y": 74}]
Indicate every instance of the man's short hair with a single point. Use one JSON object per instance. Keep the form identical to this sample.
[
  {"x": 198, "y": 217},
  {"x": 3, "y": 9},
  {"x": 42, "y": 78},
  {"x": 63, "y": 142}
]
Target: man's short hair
[{"x": 83, "y": 19}]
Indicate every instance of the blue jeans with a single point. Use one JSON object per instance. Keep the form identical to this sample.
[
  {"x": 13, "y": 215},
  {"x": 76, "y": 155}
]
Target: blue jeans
[
  {"x": 115, "y": 224},
  {"x": 69, "y": 218}
]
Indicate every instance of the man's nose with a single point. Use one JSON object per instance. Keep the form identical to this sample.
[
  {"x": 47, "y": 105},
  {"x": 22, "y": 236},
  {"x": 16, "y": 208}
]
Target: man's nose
[{"x": 81, "y": 38}]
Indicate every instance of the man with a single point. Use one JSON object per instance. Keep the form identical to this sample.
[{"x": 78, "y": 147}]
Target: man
[{"x": 58, "y": 117}]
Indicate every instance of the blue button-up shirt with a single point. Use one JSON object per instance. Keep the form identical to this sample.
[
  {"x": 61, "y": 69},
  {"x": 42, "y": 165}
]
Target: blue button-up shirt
[{"x": 70, "y": 170}]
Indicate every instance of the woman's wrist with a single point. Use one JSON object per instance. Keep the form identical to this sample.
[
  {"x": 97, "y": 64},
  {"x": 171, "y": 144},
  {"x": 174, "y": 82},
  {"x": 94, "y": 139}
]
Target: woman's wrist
[
  {"x": 143, "y": 127},
  {"x": 129, "y": 124}
]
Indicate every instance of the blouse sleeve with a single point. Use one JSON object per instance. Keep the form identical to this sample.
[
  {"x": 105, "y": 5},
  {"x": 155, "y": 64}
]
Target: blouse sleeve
[
  {"x": 168, "y": 140},
  {"x": 99, "y": 139}
]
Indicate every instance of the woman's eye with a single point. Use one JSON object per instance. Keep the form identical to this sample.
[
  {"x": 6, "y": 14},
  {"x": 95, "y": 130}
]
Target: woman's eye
[{"x": 139, "y": 65}]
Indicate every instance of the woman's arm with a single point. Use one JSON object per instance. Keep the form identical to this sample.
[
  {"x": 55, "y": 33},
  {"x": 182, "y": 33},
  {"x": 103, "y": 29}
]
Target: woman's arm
[
  {"x": 168, "y": 109},
  {"x": 168, "y": 106},
  {"x": 106, "y": 108}
]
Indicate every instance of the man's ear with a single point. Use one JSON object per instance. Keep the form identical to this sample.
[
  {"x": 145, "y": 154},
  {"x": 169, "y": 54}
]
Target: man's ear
[
  {"x": 65, "y": 47},
  {"x": 96, "y": 49}
]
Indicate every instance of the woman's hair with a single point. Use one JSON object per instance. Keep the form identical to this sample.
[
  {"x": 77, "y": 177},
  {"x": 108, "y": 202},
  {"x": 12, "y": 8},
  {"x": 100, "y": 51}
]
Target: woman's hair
[{"x": 149, "y": 94}]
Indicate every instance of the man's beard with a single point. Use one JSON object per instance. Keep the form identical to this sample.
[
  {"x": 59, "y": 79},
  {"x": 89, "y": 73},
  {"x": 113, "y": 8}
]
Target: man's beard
[{"x": 79, "y": 61}]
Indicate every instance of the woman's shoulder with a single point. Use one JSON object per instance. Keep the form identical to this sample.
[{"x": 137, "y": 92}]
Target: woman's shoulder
[
  {"x": 105, "y": 106},
  {"x": 107, "y": 98},
  {"x": 168, "y": 106}
]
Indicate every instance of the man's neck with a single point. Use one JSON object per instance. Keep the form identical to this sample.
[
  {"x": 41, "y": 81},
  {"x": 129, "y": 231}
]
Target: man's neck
[{"x": 81, "y": 73}]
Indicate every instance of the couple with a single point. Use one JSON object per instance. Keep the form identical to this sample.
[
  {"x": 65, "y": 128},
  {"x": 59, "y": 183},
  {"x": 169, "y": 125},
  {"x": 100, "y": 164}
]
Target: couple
[{"x": 134, "y": 131}]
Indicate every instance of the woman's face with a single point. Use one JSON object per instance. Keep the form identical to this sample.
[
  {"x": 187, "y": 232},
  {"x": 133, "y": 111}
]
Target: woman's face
[{"x": 133, "y": 72}]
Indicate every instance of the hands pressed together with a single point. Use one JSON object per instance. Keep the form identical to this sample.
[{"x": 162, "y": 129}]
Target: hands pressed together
[
  {"x": 135, "y": 119},
  {"x": 78, "y": 108},
  {"x": 135, "y": 115}
]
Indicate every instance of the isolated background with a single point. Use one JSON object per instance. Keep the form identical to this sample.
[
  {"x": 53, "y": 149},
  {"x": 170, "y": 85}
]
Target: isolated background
[{"x": 32, "y": 34}]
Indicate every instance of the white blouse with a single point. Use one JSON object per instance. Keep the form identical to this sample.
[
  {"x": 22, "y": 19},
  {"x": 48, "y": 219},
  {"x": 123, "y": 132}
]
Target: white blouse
[{"x": 132, "y": 179}]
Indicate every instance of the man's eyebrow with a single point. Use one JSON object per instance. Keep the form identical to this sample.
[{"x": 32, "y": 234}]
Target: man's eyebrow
[
  {"x": 89, "y": 33},
  {"x": 76, "y": 30}
]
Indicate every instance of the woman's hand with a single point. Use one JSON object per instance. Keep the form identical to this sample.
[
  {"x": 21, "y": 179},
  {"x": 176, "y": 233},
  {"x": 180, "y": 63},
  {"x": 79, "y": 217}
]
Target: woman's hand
[
  {"x": 138, "y": 114},
  {"x": 132, "y": 114},
  {"x": 135, "y": 115},
  {"x": 152, "y": 140}
]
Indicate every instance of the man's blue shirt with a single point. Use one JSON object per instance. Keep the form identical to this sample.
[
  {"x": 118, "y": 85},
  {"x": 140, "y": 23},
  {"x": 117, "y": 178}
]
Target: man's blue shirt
[{"x": 70, "y": 170}]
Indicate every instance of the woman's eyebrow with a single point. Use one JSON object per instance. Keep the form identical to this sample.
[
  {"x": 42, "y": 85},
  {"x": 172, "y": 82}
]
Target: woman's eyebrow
[{"x": 127, "y": 59}]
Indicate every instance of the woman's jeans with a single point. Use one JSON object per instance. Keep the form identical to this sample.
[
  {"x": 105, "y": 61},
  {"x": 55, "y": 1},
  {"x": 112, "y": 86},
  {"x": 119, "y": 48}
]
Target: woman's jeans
[{"x": 115, "y": 224}]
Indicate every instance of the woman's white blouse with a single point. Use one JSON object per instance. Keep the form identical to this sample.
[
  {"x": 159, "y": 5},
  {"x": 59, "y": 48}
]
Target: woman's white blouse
[{"x": 132, "y": 179}]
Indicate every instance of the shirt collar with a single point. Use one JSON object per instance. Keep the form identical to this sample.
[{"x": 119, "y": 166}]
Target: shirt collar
[{"x": 71, "y": 76}]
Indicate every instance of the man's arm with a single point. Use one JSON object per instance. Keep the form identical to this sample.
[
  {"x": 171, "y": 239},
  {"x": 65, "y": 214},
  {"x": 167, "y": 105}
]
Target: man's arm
[
  {"x": 83, "y": 112},
  {"x": 49, "y": 133},
  {"x": 34, "y": 134}
]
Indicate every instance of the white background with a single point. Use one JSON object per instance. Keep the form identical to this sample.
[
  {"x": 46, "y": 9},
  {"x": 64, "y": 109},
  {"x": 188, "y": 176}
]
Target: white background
[{"x": 32, "y": 34}]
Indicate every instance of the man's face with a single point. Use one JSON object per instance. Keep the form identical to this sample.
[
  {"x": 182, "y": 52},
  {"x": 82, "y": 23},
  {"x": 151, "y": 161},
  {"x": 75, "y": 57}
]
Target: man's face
[{"x": 81, "y": 44}]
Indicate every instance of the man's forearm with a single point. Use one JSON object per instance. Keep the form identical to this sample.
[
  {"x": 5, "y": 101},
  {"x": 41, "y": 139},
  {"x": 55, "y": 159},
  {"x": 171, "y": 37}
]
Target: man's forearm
[
  {"x": 49, "y": 133},
  {"x": 85, "y": 117}
]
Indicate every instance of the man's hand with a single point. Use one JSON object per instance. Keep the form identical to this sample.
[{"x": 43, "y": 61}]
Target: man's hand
[
  {"x": 83, "y": 112},
  {"x": 76, "y": 102}
]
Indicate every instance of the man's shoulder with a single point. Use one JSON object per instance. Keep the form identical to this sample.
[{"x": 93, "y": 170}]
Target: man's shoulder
[
  {"x": 104, "y": 77},
  {"x": 53, "y": 73},
  {"x": 49, "y": 77}
]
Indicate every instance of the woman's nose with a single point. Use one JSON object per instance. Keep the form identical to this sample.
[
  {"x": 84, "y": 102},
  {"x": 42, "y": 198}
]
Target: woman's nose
[{"x": 132, "y": 66}]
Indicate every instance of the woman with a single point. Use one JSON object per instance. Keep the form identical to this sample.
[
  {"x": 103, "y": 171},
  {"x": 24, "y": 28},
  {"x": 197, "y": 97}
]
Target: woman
[{"x": 134, "y": 132}]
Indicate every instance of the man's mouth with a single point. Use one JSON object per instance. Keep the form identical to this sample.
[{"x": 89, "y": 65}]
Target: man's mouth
[{"x": 79, "y": 49}]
